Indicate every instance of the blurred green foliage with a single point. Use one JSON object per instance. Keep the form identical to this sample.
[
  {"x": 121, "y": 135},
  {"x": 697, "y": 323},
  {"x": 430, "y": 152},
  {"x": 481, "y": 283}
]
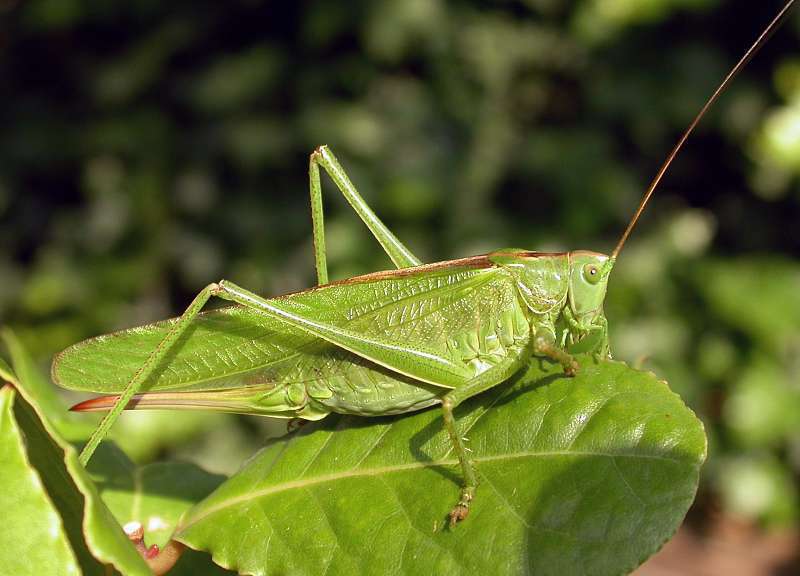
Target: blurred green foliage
[{"x": 149, "y": 148}]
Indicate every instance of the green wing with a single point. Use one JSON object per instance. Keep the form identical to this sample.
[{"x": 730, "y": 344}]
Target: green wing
[{"x": 466, "y": 308}]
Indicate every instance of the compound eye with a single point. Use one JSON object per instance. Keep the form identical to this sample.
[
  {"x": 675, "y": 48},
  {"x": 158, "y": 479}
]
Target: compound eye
[{"x": 592, "y": 273}]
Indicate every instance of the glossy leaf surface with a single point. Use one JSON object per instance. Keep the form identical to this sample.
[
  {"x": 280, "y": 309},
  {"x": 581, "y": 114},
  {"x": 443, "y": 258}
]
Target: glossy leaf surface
[
  {"x": 31, "y": 533},
  {"x": 40, "y": 538},
  {"x": 590, "y": 474},
  {"x": 96, "y": 538}
]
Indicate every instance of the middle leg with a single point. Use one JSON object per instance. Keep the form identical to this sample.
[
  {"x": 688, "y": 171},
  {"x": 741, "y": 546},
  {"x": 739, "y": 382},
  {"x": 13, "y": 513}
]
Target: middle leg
[{"x": 480, "y": 383}]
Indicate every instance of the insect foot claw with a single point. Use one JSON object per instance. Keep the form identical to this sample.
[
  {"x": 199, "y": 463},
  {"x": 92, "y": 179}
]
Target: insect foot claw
[
  {"x": 461, "y": 510},
  {"x": 459, "y": 513},
  {"x": 571, "y": 367},
  {"x": 294, "y": 424},
  {"x": 544, "y": 348}
]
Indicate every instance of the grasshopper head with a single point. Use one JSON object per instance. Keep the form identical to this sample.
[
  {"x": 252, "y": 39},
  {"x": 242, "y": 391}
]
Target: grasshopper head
[{"x": 588, "y": 278}]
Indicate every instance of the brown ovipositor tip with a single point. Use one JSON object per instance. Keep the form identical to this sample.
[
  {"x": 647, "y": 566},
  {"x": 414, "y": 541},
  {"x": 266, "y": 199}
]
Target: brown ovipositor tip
[{"x": 97, "y": 404}]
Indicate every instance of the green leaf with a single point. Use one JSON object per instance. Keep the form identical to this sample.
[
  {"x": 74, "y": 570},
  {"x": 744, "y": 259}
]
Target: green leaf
[
  {"x": 31, "y": 534},
  {"x": 590, "y": 474},
  {"x": 154, "y": 495},
  {"x": 28, "y": 373},
  {"x": 94, "y": 535}
]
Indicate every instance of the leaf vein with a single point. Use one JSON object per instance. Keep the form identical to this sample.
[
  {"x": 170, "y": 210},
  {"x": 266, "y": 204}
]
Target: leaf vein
[{"x": 379, "y": 471}]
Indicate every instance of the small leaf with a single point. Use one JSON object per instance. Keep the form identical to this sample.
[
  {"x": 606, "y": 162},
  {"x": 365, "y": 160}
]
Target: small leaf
[
  {"x": 96, "y": 538},
  {"x": 31, "y": 534},
  {"x": 590, "y": 474},
  {"x": 155, "y": 495},
  {"x": 27, "y": 372}
]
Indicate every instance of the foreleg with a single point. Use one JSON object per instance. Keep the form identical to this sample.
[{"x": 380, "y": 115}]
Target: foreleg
[{"x": 544, "y": 344}]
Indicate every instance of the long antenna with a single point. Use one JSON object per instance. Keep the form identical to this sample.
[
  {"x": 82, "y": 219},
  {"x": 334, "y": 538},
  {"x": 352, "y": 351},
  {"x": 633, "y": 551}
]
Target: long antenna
[{"x": 720, "y": 89}]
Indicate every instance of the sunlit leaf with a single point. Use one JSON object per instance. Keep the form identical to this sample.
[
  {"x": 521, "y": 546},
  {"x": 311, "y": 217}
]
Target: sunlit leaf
[
  {"x": 590, "y": 474},
  {"x": 96, "y": 538},
  {"x": 31, "y": 533}
]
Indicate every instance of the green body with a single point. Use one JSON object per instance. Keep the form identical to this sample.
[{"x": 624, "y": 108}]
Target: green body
[
  {"x": 383, "y": 343},
  {"x": 474, "y": 313}
]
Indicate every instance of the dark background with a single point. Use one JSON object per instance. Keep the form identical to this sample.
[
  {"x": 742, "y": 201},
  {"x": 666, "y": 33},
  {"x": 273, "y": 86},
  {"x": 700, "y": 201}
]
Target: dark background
[{"x": 148, "y": 148}]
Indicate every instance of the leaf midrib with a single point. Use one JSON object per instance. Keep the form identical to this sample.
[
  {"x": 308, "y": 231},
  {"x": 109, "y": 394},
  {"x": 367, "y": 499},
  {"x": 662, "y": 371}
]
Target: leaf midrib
[{"x": 383, "y": 470}]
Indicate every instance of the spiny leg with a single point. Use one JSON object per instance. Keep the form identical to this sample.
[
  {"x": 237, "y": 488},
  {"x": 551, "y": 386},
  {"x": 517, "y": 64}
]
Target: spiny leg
[
  {"x": 603, "y": 351},
  {"x": 317, "y": 221},
  {"x": 451, "y": 400},
  {"x": 146, "y": 370},
  {"x": 322, "y": 156},
  {"x": 461, "y": 510}
]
